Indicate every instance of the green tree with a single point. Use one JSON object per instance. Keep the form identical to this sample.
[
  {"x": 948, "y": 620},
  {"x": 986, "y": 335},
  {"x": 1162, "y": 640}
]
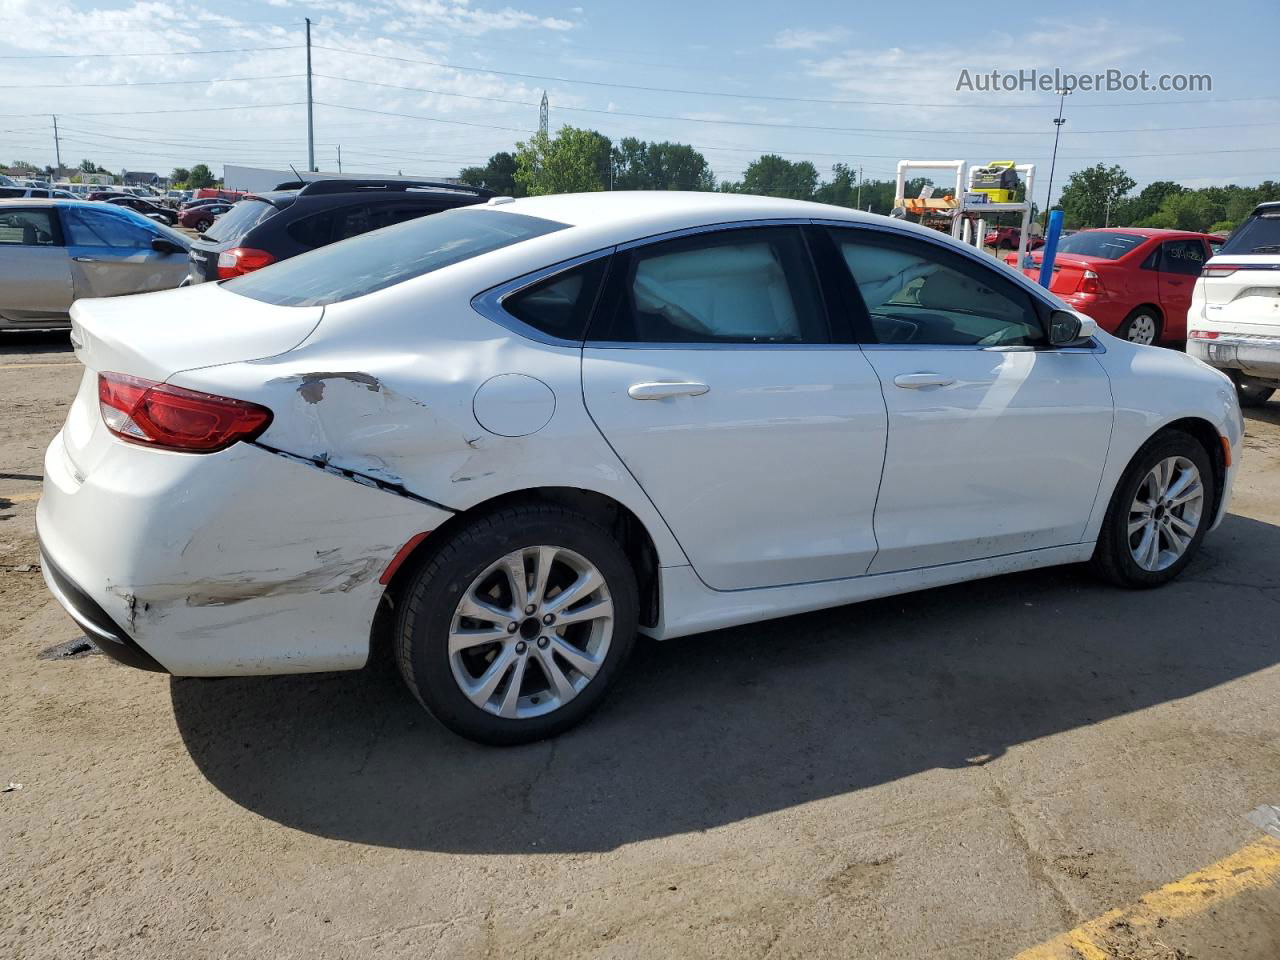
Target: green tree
[
  {"x": 1089, "y": 194},
  {"x": 200, "y": 176},
  {"x": 574, "y": 161},
  {"x": 1189, "y": 210},
  {"x": 88, "y": 166},
  {"x": 773, "y": 176},
  {"x": 498, "y": 175},
  {"x": 1134, "y": 209},
  {"x": 179, "y": 175},
  {"x": 638, "y": 165}
]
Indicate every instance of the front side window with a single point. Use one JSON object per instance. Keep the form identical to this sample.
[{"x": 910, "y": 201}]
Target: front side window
[
  {"x": 919, "y": 293},
  {"x": 1182, "y": 256},
  {"x": 738, "y": 286},
  {"x": 383, "y": 258},
  {"x": 26, "y": 228},
  {"x": 104, "y": 227}
]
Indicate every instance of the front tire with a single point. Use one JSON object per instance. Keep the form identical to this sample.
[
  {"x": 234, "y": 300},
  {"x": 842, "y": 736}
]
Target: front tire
[
  {"x": 1142, "y": 326},
  {"x": 1159, "y": 513},
  {"x": 518, "y": 624}
]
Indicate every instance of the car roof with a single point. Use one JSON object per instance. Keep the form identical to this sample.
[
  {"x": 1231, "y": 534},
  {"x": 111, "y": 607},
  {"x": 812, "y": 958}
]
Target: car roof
[{"x": 1148, "y": 232}]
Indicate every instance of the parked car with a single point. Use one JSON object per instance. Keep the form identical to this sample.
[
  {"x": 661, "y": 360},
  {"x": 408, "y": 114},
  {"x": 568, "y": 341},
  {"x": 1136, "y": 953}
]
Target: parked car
[
  {"x": 44, "y": 193},
  {"x": 148, "y": 209},
  {"x": 1234, "y": 319},
  {"x": 1007, "y": 238},
  {"x": 200, "y": 217},
  {"x": 53, "y": 252},
  {"x": 109, "y": 193},
  {"x": 1135, "y": 282},
  {"x": 523, "y": 430},
  {"x": 272, "y": 226}
]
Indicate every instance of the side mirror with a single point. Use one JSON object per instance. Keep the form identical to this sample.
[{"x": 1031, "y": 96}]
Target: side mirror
[
  {"x": 1067, "y": 327},
  {"x": 165, "y": 245}
]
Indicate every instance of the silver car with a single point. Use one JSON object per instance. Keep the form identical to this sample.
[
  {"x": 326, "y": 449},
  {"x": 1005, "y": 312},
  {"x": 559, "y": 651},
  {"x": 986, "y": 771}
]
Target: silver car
[{"x": 53, "y": 252}]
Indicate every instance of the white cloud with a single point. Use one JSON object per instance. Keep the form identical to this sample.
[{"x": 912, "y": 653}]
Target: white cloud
[{"x": 806, "y": 39}]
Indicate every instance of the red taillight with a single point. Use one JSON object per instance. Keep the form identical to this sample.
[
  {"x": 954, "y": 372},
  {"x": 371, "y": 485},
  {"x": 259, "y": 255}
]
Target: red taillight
[
  {"x": 1221, "y": 269},
  {"x": 1204, "y": 334},
  {"x": 238, "y": 260},
  {"x": 1089, "y": 283},
  {"x": 160, "y": 415}
]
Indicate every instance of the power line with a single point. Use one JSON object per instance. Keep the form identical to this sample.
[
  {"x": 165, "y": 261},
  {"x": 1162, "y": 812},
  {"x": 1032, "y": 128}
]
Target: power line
[
  {"x": 118, "y": 113},
  {"x": 735, "y": 96},
  {"x": 410, "y": 116},
  {"x": 156, "y": 53},
  {"x": 149, "y": 83}
]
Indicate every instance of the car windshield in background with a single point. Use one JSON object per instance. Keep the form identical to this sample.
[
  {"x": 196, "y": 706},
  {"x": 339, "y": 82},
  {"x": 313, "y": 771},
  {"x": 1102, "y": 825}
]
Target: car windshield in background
[
  {"x": 239, "y": 220},
  {"x": 1258, "y": 234},
  {"x": 1100, "y": 243},
  {"x": 383, "y": 258}
]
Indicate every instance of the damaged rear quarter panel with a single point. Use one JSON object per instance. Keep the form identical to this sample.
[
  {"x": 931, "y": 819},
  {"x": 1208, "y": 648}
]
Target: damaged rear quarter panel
[{"x": 385, "y": 387}]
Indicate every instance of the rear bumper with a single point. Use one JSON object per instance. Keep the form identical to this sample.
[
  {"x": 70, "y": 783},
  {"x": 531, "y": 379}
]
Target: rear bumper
[
  {"x": 1255, "y": 355},
  {"x": 234, "y": 563}
]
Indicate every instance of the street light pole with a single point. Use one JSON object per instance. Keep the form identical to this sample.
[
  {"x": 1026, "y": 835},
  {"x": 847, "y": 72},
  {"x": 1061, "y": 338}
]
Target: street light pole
[
  {"x": 311, "y": 135},
  {"x": 1057, "y": 132}
]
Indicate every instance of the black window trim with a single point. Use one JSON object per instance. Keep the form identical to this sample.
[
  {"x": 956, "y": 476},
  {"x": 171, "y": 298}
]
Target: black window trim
[
  {"x": 1041, "y": 300},
  {"x": 488, "y": 303}
]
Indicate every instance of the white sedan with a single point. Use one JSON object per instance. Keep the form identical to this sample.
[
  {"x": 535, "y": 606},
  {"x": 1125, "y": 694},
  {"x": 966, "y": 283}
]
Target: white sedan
[{"x": 511, "y": 436}]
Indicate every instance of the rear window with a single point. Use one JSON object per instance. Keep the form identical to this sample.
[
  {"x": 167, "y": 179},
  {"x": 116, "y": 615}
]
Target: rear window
[
  {"x": 239, "y": 220},
  {"x": 1259, "y": 234},
  {"x": 383, "y": 258},
  {"x": 1100, "y": 243}
]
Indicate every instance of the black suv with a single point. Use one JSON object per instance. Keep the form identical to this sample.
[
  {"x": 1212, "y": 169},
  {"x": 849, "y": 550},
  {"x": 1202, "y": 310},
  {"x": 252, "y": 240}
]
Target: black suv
[{"x": 297, "y": 217}]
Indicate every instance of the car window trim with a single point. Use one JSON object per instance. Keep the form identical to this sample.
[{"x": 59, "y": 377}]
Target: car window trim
[
  {"x": 489, "y": 303},
  {"x": 609, "y": 291},
  {"x": 1040, "y": 298}
]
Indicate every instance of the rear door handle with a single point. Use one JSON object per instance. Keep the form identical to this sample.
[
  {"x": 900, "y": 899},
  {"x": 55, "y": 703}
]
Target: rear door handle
[
  {"x": 662, "y": 390},
  {"x": 914, "y": 381},
  {"x": 85, "y": 259}
]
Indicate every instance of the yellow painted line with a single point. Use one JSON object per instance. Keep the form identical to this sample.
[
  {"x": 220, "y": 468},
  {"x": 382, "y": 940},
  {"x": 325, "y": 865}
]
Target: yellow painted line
[
  {"x": 19, "y": 497},
  {"x": 28, "y": 366},
  {"x": 1255, "y": 867}
]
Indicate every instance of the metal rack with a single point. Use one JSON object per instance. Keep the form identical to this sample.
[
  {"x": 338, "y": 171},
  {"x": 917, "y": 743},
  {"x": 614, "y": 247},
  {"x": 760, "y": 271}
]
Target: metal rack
[{"x": 967, "y": 213}]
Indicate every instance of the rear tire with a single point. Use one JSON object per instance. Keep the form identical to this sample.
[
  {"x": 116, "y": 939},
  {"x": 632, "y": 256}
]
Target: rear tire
[
  {"x": 203, "y": 225},
  {"x": 1120, "y": 556},
  {"x": 497, "y": 685},
  {"x": 1142, "y": 326},
  {"x": 1253, "y": 396}
]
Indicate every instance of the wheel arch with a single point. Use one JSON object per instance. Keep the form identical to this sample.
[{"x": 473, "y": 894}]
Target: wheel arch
[
  {"x": 1153, "y": 307},
  {"x": 1207, "y": 435},
  {"x": 636, "y": 541}
]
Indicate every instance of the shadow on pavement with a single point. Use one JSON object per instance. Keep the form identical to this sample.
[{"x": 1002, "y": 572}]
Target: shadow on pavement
[
  {"x": 713, "y": 729},
  {"x": 34, "y": 341}
]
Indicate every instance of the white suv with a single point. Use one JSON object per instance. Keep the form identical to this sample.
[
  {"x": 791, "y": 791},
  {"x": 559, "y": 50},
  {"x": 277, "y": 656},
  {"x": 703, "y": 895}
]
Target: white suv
[{"x": 1234, "y": 321}]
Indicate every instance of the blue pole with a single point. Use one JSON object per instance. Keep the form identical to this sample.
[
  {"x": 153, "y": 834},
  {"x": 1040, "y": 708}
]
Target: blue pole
[{"x": 1050, "y": 248}]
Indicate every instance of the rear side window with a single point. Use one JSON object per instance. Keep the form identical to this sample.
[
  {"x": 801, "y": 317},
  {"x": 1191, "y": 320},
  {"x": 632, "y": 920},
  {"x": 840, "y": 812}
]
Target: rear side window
[
  {"x": 373, "y": 261},
  {"x": 1259, "y": 234},
  {"x": 239, "y": 220},
  {"x": 738, "y": 286},
  {"x": 1182, "y": 256},
  {"x": 26, "y": 228},
  {"x": 344, "y": 222},
  {"x": 560, "y": 306}
]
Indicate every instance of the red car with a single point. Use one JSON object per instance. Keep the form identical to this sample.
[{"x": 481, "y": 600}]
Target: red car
[
  {"x": 1136, "y": 282},
  {"x": 1008, "y": 237},
  {"x": 201, "y": 218}
]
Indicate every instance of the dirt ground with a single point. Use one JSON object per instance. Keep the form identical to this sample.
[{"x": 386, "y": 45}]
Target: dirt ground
[{"x": 969, "y": 772}]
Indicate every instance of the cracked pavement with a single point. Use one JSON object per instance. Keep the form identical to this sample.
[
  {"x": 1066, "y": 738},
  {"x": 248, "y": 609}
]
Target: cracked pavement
[{"x": 961, "y": 773}]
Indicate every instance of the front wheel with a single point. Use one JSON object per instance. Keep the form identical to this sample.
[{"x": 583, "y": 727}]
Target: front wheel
[
  {"x": 517, "y": 626},
  {"x": 1159, "y": 513}
]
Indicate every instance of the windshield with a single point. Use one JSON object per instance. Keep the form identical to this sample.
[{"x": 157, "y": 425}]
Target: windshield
[
  {"x": 1259, "y": 234},
  {"x": 383, "y": 258},
  {"x": 239, "y": 220},
  {"x": 1100, "y": 243}
]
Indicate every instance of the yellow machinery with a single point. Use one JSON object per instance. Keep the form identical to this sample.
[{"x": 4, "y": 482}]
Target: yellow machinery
[{"x": 998, "y": 180}]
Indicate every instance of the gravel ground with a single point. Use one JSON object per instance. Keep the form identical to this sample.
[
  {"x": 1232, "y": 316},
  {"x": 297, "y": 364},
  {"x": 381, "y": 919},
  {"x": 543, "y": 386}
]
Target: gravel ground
[{"x": 962, "y": 773}]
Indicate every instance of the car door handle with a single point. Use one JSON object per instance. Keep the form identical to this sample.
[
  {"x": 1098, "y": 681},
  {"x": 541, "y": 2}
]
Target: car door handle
[
  {"x": 85, "y": 259},
  {"x": 662, "y": 390},
  {"x": 914, "y": 381},
  {"x": 1174, "y": 283}
]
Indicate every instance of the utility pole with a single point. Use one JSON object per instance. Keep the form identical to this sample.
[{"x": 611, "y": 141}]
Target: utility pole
[
  {"x": 339, "y": 158},
  {"x": 311, "y": 131},
  {"x": 544, "y": 115},
  {"x": 1107, "y": 222},
  {"x": 1057, "y": 132},
  {"x": 57, "y": 148},
  {"x": 859, "y": 204}
]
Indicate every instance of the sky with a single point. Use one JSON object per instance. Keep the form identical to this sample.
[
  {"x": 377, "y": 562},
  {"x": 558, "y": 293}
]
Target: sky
[{"x": 428, "y": 86}]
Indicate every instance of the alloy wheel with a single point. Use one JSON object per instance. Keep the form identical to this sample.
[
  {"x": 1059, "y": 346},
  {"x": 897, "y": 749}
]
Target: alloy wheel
[
  {"x": 1142, "y": 329},
  {"x": 1165, "y": 514},
  {"x": 530, "y": 632}
]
